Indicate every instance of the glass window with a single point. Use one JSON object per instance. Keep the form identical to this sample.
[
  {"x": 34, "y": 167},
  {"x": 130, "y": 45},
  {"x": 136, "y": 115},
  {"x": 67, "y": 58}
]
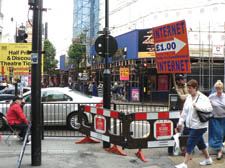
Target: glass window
[
  {"x": 10, "y": 91},
  {"x": 52, "y": 96},
  {"x": 27, "y": 98}
]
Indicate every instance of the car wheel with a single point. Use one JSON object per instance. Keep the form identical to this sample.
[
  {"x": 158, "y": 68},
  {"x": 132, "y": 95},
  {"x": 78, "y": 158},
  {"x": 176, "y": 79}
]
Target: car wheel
[{"x": 72, "y": 121}]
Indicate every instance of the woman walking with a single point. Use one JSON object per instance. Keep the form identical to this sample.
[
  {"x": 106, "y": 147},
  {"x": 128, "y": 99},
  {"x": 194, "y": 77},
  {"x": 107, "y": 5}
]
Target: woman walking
[
  {"x": 195, "y": 101},
  {"x": 217, "y": 123}
]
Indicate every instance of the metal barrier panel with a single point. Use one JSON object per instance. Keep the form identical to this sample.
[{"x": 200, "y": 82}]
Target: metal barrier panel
[
  {"x": 132, "y": 131},
  {"x": 156, "y": 130}
]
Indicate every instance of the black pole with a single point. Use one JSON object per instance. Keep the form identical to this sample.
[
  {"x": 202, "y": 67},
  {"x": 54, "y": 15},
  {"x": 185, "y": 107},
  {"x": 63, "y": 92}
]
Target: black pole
[
  {"x": 106, "y": 73},
  {"x": 36, "y": 84},
  {"x": 16, "y": 88}
]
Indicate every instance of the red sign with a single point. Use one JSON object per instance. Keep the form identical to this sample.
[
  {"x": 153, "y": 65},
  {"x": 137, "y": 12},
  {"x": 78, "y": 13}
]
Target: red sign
[
  {"x": 163, "y": 129},
  {"x": 171, "y": 48},
  {"x": 100, "y": 124}
]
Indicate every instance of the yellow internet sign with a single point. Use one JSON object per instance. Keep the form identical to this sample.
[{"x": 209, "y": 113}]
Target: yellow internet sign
[{"x": 15, "y": 59}]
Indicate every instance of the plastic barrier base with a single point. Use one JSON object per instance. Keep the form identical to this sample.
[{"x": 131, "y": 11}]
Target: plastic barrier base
[
  {"x": 140, "y": 155},
  {"x": 87, "y": 139},
  {"x": 116, "y": 150}
]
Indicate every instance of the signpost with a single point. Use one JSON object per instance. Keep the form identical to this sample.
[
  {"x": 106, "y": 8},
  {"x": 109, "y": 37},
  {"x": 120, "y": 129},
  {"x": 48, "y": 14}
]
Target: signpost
[{"x": 171, "y": 48}]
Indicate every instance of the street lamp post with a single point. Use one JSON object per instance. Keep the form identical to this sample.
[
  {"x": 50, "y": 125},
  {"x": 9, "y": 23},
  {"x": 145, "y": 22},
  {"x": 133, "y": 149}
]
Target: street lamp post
[
  {"x": 106, "y": 73},
  {"x": 36, "y": 129}
]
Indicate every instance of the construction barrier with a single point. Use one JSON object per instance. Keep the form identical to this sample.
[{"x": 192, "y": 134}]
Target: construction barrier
[{"x": 131, "y": 131}]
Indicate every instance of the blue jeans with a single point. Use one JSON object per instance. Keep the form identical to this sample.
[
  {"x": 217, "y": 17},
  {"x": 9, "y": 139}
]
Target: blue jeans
[
  {"x": 195, "y": 138},
  {"x": 216, "y": 132}
]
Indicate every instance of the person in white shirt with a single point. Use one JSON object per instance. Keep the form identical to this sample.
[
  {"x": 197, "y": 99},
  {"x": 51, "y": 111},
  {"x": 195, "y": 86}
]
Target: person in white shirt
[
  {"x": 195, "y": 101},
  {"x": 217, "y": 123}
]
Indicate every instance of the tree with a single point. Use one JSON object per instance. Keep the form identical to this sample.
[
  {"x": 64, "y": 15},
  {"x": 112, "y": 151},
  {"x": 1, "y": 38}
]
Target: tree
[
  {"x": 76, "y": 53},
  {"x": 50, "y": 63}
]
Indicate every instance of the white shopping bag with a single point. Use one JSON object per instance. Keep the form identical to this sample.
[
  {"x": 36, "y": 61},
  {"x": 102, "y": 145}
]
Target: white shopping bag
[{"x": 176, "y": 149}]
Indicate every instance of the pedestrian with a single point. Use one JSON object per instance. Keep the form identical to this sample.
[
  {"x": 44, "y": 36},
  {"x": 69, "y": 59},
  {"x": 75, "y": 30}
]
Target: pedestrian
[
  {"x": 94, "y": 92},
  {"x": 217, "y": 123},
  {"x": 16, "y": 118},
  {"x": 100, "y": 90},
  {"x": 195, "y": 101},
  {"x": 181, "y": 89},
  {"x": 90, "y": 88}
]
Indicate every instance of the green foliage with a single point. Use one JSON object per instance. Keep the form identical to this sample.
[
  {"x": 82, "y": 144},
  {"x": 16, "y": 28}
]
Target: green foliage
[
  {"x": 50, "y": 63},
  {"x": 76, "y": 53}
]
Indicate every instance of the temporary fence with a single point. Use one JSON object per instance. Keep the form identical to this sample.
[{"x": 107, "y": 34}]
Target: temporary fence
[{"x": 141, "y": 130}]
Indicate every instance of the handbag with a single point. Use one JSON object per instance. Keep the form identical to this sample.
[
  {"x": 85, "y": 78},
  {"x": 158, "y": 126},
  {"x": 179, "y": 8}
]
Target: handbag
[{"x": 203, "y": 116}]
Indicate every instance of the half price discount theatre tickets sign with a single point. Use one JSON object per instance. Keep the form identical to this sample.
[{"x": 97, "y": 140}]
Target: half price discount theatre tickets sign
[{"x": 171, "y": 48}]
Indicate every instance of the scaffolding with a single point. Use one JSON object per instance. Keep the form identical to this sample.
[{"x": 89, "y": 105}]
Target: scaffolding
[{"x": 207, "y": 57}]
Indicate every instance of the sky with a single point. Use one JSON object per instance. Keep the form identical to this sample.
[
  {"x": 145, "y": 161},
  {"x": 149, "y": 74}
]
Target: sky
[{"x": 59, "y": 17}]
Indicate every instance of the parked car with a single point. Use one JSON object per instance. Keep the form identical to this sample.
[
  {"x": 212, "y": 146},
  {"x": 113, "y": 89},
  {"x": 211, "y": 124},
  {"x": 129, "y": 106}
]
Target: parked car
[
  {"x": 8, "y": 93},
  {"x": 6, "y": 97},
  {"x": 11, "y": 90},
  {"x": 60, "y": 106},
  {"x": 5, "y": 85}
]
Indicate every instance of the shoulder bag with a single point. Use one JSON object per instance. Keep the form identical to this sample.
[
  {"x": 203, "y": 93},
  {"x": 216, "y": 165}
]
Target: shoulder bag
[{"x": 203, "y": 116}]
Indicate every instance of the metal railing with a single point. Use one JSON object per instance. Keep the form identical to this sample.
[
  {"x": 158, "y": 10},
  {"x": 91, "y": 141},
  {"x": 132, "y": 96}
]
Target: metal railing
[{"x": 61, "y": 119}]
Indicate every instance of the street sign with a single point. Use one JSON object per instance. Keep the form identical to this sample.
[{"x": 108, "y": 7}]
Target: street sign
[
  {"x": 34, "y": 58},
  {"x": 171, "y": 48},
  {"x": 163, "y": 129},
  {"x": 100, "y": 46},
  {"x": 100, "y": 124},
  {"x": 124, "y": 73},
  {"x": 16, "y": 60}
]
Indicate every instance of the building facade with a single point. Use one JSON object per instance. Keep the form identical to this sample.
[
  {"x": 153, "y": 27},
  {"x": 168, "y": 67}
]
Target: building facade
[
  {"x": 206, "y": 38},
  {"x": 86, "y": 23},
  {"x": 129, "y": 19}
]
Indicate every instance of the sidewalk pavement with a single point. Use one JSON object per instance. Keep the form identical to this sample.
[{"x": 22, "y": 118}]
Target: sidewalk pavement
[{"x": 60, "y": 152}]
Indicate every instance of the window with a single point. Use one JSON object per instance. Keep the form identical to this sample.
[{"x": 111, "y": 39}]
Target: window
[
  {"x": 27, "y": 98},
  {"x": 52, "y": 96},
  {"x": 10, "y": 91}
]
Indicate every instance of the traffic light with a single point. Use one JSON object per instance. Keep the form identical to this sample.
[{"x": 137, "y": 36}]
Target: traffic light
[{"x": 22, "y": 36}]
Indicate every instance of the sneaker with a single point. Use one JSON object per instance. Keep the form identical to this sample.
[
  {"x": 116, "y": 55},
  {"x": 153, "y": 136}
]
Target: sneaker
[
  {"x": 29, "y": 143},
  {"x": 182, "y": 165},
  {"x": 219, "y": 155},
  {"x": 208, "y": 161}
]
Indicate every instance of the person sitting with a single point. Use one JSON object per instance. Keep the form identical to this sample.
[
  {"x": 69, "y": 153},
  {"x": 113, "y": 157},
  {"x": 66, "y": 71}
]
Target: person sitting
[{"x": 16, "y": 118}]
